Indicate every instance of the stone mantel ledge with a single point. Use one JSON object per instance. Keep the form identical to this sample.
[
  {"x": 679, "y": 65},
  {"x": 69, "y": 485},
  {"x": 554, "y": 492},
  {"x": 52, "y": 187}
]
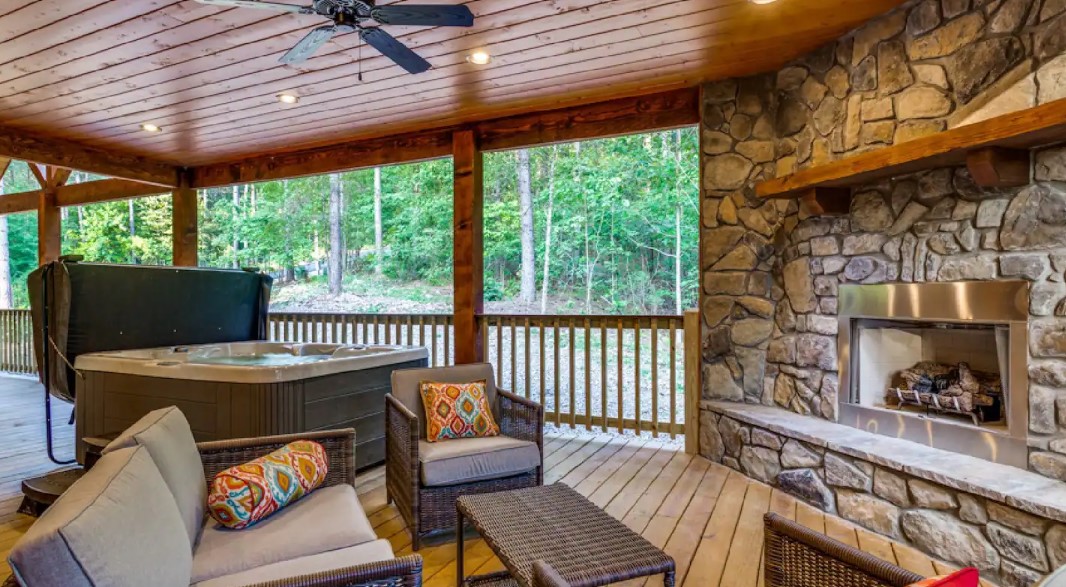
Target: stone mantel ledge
[{"x": 1025, "y": 490}]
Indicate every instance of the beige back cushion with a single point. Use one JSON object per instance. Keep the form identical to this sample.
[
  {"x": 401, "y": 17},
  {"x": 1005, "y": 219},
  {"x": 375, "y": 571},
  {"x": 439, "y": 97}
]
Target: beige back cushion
[
  {"x": 116, "y": 526},
  {"x": 167, "y": 436},
  {"x": 405, "y": 385}
]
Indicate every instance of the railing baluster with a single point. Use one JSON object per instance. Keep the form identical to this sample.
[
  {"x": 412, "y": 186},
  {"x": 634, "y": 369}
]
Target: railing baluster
[
  {"x": 573, "y": 391},
  {"x": 588, "y": 375},
  {"x": 621, "y": 378},
  {"x": 673, "y": 378},
  {"x": 603, "y": 373},
  {"x": 636, "y": 370},
  {"x": 543, "y": 364},
  {"x": 555, "y": 374},
  {"x": 514, "y": 357},
  {"x": 486, "y": 333},
  {"x": 499, "y": 349},
  {"x": 526, "y": 373},
  {"x": 433, "y": 335},
  {"x": 654, "y": 378}
]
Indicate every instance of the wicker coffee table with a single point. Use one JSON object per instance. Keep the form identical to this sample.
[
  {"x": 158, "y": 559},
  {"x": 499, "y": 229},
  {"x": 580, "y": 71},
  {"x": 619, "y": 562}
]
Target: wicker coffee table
[{"x": 555, "y": 524}]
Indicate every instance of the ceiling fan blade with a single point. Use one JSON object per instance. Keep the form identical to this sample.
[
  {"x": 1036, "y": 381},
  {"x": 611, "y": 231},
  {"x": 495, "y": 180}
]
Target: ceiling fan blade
[
  {"x": 423, "y": 15},
  {"x": 309, "y": 44},
  {"x": 277, "y": 6},
  {"x": 393, "y": 49}
]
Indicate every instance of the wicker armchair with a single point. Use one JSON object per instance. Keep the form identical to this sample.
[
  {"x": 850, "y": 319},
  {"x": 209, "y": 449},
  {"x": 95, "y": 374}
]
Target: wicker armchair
[
  {"x": 430, "y": 507},
  {"x": 797, "y": 556},
  {"x": 340, "y": 447}
]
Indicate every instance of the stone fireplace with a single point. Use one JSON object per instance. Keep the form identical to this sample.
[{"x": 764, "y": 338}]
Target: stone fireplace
[
  {"x": 779, "y": 283},
  {"x": 943, "y": 364}
]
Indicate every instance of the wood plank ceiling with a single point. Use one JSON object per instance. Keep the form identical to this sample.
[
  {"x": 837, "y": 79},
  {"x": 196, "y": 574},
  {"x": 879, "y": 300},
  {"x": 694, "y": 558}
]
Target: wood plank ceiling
[{"x": 93, "y": 71}]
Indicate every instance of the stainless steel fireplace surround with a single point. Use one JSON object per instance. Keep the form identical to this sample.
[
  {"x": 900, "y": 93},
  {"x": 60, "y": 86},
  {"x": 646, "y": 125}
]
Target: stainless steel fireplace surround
[{"x": 996, "y": 310}]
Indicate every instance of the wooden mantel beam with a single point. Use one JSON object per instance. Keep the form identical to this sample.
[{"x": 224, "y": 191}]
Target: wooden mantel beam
[{"x": 18, "y": 144}]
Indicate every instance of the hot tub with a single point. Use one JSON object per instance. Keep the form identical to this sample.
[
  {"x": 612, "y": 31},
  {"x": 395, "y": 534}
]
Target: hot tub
[{"x": 241, "y": 389}]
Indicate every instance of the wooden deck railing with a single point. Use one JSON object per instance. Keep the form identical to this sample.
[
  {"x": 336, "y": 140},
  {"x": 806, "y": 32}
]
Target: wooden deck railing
[
  {"x": 432, "y": 330},
  {"x": 597, "y": 372},
  {"x": 602, "y": 372},
  {"x": 16, "y": 342}
]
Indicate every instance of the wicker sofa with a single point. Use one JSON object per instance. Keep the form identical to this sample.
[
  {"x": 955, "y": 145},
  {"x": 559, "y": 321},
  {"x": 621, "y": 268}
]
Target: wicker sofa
[
  {"x": 423, "y": 479},
  {"x": 137, "y": 518}
]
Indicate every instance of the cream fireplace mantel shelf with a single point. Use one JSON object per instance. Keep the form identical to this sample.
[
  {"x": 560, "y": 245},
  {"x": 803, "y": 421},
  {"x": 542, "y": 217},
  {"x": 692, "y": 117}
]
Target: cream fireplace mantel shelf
[{"x": 1025, "y": 490}]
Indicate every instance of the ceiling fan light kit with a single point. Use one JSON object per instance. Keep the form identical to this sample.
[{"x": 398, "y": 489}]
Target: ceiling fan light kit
[{"x": 353, "y": 16}]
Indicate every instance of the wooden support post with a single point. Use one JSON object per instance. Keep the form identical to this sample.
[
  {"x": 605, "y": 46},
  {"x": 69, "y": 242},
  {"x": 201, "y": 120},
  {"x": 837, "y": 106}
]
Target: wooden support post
[
  {"x": 824, "y": 201},
  {"x": 469, "y": 270},
  {"x": 49, "y": 239},
  {"x": 49, "y": 220},
  {"x": 185, "y": 227},
  {"x": 996, "y": 167},
  {"x": 693, "y": 381}
]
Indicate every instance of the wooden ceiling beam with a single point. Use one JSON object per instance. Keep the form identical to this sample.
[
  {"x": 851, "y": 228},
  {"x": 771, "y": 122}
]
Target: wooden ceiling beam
[
  {"x": 17, "y": 144},
  {"x": 80, "y": 194},
  {"x": 610, "y": 118},
  {"x": 20, "y": 202},
  {"x": 651, "y": 112}
]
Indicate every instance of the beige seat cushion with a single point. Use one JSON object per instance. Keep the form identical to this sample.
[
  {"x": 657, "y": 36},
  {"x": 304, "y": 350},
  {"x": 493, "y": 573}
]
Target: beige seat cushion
[
  {"x": 406, "y": 386},
  {"x": 167, "y": 436},
  {"x": 116, "y": 526},
  {"x": 475, "y": 459},
  {"x": 330, "y": 518},
  {"x": 368, "y": 552}
]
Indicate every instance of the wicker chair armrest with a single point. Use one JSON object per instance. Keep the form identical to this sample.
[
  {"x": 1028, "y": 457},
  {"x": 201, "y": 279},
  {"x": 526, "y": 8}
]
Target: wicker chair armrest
[
  {"x": 398, "y": 572},
  {"x": 220, "y": 455},
  {"x": 545, "y": 576},
  {"x": 401, "y": 437},
  {"x": 521, "y": 418},
  {"x": 796, "y": 555}
]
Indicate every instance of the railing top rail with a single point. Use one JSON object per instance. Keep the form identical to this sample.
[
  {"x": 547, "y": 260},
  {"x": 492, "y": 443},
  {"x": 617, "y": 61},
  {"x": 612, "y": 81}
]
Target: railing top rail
[
  {"x": 584, "y": 316},
  {"x": 274, "y": 313}
]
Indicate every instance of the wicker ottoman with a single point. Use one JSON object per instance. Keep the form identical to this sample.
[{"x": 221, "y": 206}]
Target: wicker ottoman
[{"x": 558, "y": 526}]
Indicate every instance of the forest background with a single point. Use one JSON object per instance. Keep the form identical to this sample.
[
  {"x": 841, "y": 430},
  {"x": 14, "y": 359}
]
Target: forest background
[{"x": 595, "y": 227}]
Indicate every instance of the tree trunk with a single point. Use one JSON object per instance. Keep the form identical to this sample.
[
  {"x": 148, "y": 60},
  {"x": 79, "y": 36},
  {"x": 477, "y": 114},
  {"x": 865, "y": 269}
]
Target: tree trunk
[
  {"x": 335, "y": 269},
  {"x": 133, "y": 231},
  {"x": 233, "y": 226},
  {"x": 528, "y": 292},
  {"x": 548, "y": 231},
  {"x": 290, "y": 260},
  {"x": 6, "y": 298},
  {"x": 379, "y": 240}
]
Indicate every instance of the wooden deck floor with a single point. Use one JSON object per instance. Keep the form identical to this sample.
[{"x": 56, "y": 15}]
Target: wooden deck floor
[{"x": 708, "y": 517}]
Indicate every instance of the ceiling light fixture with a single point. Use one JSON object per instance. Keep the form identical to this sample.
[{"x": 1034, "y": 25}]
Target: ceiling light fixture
[
  {"x": 479, "y": 58},
  {"x": 288, "y": 98},
  {"x": 763, "y": 1},
  {"x": 149, "y": 127}
]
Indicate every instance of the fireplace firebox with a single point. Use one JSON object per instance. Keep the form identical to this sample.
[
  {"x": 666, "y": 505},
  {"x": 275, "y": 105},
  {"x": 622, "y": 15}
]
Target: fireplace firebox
[{"x": 944, "y": 364}]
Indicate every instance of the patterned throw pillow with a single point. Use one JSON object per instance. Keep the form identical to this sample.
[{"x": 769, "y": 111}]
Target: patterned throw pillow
[
  {"x": 243, "y": 495},
  {"x": 457, "y": 410}
]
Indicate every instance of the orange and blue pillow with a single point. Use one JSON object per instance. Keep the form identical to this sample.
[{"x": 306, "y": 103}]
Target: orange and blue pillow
[
  {"x": 246, "y": 494},
  {"x": 457, "y": 410}
]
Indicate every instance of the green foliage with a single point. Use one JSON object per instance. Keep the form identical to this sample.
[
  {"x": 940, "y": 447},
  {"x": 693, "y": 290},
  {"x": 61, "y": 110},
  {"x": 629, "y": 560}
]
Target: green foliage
[{"x": 613, "y": 225}]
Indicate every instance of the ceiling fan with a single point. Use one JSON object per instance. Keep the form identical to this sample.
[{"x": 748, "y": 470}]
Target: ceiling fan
[{"x": 350, "y": 16}]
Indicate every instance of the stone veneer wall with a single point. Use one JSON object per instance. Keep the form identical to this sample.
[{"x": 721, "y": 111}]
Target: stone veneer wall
[
  {"x": 1009, "y": 546},
  {"x": 770, "y": 274}
]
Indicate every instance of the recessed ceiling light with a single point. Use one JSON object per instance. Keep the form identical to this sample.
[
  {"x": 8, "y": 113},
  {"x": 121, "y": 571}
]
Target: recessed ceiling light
[
  {"x": 288, "y": 98},
  {"x": 479, "y": 58},
  {"x": 763, "y": 1},
  {"x": 149, "y": 127}
]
